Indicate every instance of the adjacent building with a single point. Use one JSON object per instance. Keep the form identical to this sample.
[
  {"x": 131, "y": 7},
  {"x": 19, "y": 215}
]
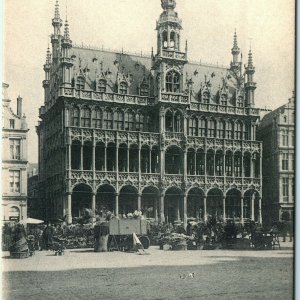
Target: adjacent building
[
  {"x": 14, "y": 160},
  {"x": 277, "y": 132},
  {"x": 159, "y": 133}
]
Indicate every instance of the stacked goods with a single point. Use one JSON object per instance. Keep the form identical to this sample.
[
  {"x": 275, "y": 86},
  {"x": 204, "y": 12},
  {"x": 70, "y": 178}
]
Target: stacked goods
[{"x": 174, "y": 241}]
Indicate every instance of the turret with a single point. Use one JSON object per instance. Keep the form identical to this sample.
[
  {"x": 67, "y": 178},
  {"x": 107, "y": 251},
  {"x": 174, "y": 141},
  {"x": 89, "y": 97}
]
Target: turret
[
  {"x": 168, "y": 27},
  {"x": 47, "y": 68},
  {"x": 235, "y": 51},
  {"x": 250, "y": 85},
  {"x": 56, "y": 37}
]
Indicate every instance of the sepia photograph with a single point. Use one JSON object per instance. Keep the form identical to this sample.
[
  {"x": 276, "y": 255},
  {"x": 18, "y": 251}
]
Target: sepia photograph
[{"x": 148, "y": 149}]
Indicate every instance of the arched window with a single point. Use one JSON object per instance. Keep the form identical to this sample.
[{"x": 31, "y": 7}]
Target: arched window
[
  {"x": 86, "y": 117},
  {"x": 75, "y": 117},
  {"x": 205, "y": 98},
  {"x": 228, "y": 163},
  {"x": 219, "y": 163},
  {"x": 123, "y": 88},
  {"x": 210, "y": 163},
  {"x": 202, "y": 127},
  {"x": 191, "y": 163},
  {"x": 165, "y": 39},
  {"x": 107, "y": 119},
  {"x": 139, "y": 122},
  {"x": 80, "y": 83},
  {"x": 177, "y": 122},
  {"x": 220, "y": 129},
  {"x": 237, "y": 164},
  {"x": 246, "y": 129},
  {"x": 238, "y": 131},
  {"x": 129, "y": 121},
  {"x": 102, "y": 86},
  {"x": 200, "y": 162},
  {"x": 169, "y": 121},
  {"x": 229, "y": 130},
  {"x": 211, "y": 130},
  {"x": 119, "y": 120},
  {"x": 96, "y": 119},
  {"x": 193, "y": 126},
  {"x": 172, "y": 40},
  {"x": 173, "y": 82},
  {"x": 144, "y": 90}
]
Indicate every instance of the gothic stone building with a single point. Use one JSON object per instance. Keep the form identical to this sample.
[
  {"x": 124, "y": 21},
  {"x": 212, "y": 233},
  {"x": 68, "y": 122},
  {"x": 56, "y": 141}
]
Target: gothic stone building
[
  {"x": 158, "y": 133},
  {"x": 277, "y": 132},
  {"x": 14, "y": 160}
]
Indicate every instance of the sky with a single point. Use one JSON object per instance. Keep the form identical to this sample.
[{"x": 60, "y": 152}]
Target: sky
[{"x": 268, "y": 26}]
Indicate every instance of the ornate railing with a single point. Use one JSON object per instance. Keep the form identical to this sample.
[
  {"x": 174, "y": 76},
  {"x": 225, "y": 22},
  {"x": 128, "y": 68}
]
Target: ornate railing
[
  {"x": 232, "y": 110},
  {"x": 174, "y": 98},
  {"x": 109, "y": 97},
  {"x": 173, "y": 54}
]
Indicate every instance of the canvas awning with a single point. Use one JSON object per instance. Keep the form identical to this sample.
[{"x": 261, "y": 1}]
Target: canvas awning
[{"x": 32, "y": 221}]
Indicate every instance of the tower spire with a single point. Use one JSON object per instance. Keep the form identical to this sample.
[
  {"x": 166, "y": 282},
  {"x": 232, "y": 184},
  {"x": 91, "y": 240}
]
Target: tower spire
[
  {"x": 48, "y": 56},
  {"x": 56, "y": 11},
  {"x": 56, "y": 37},
  {"x": 67, "y": 31},
  {"x": 250, "y": 85}
]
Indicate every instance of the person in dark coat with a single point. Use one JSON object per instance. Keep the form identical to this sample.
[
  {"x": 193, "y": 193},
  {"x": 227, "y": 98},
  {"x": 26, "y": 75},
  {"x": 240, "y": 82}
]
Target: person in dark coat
[
  {"x": 101, "y": 232},
  {"x": 48, "y": 236}
]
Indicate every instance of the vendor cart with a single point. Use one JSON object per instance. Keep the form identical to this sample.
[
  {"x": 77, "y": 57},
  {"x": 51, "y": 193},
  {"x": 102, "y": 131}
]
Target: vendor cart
[{"x": 121, "y": 233}]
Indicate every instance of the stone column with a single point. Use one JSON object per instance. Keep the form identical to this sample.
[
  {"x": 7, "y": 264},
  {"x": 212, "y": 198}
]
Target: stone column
[
  {"x": 139, "y": 160},
  {"x": 81, "y": 156},
  {"x": 139, "y": 202},
  {"x": 117, "y": 157},
  {"x": 242, "y": 210},
  {"x": 94, "y": 202},
  {"x": 150, "y": 161},
  {"x": 259, "y": 211},
  {"x": 195, "y": 162},
  {"x": 117, "y": 204},
  {"x": 185, "y": 164},
  {"x": 252, "y": 208},
  {"x": 178, "y": 208},
  {"x": 205, "y": 210},
  {"x": 69, "y": 165},
  {"x": 162, "y": 207},
  {"x": 105, "y": 157},
  {"x": 185, "y": 210},
  {"x": 127, "y": 166},
  {"x": 94, "y": 157},
  {"x": 155, "y": 209},
  {"x": 224, "y": 208},
  {"x": 69, "y": 208}
]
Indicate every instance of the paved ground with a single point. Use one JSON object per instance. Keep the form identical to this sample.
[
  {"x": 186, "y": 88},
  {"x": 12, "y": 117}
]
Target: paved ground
[{"x": 161, "y": 275}]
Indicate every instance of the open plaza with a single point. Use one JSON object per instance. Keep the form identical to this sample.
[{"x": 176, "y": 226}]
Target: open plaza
[{"x": 160, "y": 275}]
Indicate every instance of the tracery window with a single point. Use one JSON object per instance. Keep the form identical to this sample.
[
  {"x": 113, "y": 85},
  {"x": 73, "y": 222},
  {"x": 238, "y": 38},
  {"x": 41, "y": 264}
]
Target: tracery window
[
  {"x": 96, "y": 119},
  {"x": 107, "y": 119},
  {"x": 75, "y": 117},
  {"x": 129, "y": 121},
  {"x": 237, "y": 165},
  {"x": 202, "y": 127},
  {"x": 200, "y": 162},
  {"x": 80, "y": 83},
  {"x": 238, "y": 131},
  {"x": 219, "y": 163},
  {"x": 139, "y": 122},
  {"x": 123, "y": 88},
  {"x": 228, "y": 164},
  {"x": 119, "y": 120},
  {"x": 102, "y": 86},
  {"x": 173, "y": 82},
  {"x": 86, "y": 117},
  {"x": 193, "y": 126},
  {"x": 229, "y": 130},
  {"x": 220, "y": 129},
  {"x": 210, "y": 163},
  {"x": 211, "y": 130}
]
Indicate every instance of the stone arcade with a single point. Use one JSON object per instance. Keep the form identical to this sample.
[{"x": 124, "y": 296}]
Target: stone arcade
[{"x": 158, "y": 133}]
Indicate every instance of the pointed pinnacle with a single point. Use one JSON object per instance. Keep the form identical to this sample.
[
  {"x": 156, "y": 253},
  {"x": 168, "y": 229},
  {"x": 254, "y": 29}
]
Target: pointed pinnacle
[
  {"x": 48, "y": 56},
  {"x": 67, "y": 32},
  {"x": 56, "y": 12},
  {"x": 250, "y": 59},
  {"x": 235, "y": 42}
]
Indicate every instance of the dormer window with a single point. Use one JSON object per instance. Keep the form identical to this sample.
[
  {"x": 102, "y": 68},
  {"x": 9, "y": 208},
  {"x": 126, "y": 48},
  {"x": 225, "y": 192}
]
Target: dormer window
[
  {"x": 123, "y": 88},
  {"x": 173, "y": 82},
  {"x": 80, "y": 83},
  {"x": 144, "y": 90},
  {"x": 102, "y": 86},
  {"x": 223, "y": 99},
  {"x": 239, "y": 102},
  {"x": 205, "y": 98}
]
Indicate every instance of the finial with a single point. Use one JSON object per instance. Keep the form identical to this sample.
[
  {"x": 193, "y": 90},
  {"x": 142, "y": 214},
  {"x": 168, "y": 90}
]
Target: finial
[
  {"x": 235, "y": 43},
  {"x": 67, "y": 32},
  {"x": 168, "y": 4},
  {"x": 48, "y": 56},
  {"x": 56, "y": 12},
  {"x": 250, "y": 59}
]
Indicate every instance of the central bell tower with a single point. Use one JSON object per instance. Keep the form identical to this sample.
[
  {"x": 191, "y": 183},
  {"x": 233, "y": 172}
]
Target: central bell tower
[{"x": 169, "y": 61}]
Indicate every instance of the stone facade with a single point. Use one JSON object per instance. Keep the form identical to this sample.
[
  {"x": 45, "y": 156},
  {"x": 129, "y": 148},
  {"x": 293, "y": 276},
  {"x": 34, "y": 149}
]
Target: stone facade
[
  {"x": 14, "y": 160},
  {"x": 158, "y": 133},
  {"x": 277, "y": 132}
]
